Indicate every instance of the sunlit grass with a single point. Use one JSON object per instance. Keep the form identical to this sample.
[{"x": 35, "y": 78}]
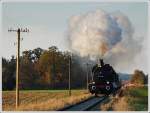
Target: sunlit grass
[{"x": 43, "y": 99}]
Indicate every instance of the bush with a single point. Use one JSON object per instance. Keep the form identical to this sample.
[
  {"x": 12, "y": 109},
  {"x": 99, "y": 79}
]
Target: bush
[{"x": 138, "y": 77}]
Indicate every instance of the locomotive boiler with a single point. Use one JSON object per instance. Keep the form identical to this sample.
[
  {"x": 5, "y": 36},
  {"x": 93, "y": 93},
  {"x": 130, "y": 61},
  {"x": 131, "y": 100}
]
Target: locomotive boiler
[{"x": 104, "y": 79}]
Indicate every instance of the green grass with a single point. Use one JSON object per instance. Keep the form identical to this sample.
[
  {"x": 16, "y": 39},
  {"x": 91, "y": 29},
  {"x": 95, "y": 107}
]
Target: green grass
[
  {"x": 138, "y": 98},
  {"x": 141, "y": 92}
]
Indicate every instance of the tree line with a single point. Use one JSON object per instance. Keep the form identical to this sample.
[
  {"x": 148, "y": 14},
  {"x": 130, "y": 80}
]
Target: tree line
[
  {"x": 43, "y": 69},
  {"x": 49, "y": 69}
]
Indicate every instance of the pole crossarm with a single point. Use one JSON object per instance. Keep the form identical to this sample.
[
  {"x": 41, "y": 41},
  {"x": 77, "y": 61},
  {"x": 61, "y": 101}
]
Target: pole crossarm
[{"x": 16, "y": 30}]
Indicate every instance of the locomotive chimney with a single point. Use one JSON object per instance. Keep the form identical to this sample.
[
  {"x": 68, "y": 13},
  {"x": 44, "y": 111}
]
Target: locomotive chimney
[{"x": 101, "y": 62}]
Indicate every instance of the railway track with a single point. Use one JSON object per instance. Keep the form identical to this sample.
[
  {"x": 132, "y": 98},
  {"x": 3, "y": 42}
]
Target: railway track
[{"x": 85, "y": 105}]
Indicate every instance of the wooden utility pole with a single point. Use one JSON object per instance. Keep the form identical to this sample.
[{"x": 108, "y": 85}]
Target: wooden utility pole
[
  {"x": 69, "y": 76},
  {"x": 87, "y": 73},
  {"x": 18, "y": 61},
  {"x": 87, "y": 77},
  {"x": 17, "y": 69},
  {"x": 54, "y": 69}
]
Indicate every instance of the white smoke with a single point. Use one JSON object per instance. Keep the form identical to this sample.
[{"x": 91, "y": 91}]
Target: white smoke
[
  {"x": 94, "y": 33},
  {"x": 101, "y": 34}
]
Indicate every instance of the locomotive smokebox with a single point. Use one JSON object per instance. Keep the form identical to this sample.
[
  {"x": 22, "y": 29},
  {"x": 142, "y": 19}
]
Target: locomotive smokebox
[{"x": 101, "y": 62}]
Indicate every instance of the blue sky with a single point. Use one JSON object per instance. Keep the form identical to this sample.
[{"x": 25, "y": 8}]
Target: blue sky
[
  {"x": 56, "y": 15},
  {"x": 48, "y": 21}
]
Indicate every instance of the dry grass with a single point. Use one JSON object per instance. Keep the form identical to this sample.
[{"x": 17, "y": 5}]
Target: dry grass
[
  {"x": 33, "y": 101},
  {"x": 54, "y": 104},
  {"x": 121, "y": 104},
  {"x": 115, "y": 104},
  {"x": 106, "y": 106}
]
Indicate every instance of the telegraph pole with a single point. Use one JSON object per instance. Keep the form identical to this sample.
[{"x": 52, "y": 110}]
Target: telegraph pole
[
  {"x": 69, "y": 75},
  {"x": 54, "y": 70},
  {"x": 87, "y": 73},
  {"x": 87, "y": 77},
  {"x": 18, "y": 61},
  {"x": 18, "y": 69}
]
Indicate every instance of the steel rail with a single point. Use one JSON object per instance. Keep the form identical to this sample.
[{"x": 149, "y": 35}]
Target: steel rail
[{"x": 84, "y": 105}]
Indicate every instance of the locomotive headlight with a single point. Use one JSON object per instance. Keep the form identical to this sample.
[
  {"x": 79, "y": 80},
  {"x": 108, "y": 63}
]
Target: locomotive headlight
[
  {"x": 107, "y": 82},
  {"x": 107, "y": 88}
]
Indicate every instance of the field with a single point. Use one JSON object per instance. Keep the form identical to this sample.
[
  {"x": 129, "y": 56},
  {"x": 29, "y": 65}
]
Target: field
[
  {"x": 42, "y": 99},
  {"x": 138, "y": 99},
  {"x": 132, "y": 99}
]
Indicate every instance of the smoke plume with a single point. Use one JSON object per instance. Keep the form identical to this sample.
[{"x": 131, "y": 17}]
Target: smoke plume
[{"x": 99, "y": 34}]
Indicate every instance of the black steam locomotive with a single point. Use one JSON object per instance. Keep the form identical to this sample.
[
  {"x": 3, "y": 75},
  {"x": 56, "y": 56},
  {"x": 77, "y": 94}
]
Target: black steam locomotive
[{"x": 104, "y": 79}]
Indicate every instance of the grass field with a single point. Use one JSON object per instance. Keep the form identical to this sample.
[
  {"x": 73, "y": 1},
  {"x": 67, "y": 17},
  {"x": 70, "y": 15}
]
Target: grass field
[
  {"x": 133, "y": 99},
  {"x": 42, "y": 99},
  {"x": 138, "y": 98}
]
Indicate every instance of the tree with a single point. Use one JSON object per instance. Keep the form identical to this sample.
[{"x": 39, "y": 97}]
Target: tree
[
  {"x": 45, "y": 68},
  {"x": 138, "y": 77},
  {"x": 27, "y": 55},
  {"x": 28, "y": 75},
  {"x": 36, "y": 53},
  {"x": 8, "y": 73}
]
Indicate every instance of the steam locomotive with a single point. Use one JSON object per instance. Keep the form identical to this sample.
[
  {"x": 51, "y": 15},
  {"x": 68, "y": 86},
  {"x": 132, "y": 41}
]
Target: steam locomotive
[{"x": 104, "y": 79}]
